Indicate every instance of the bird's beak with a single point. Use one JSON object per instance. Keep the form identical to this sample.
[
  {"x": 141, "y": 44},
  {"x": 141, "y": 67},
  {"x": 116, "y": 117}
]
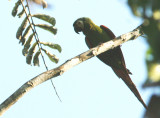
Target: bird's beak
[{"x": 77, "y": 29}]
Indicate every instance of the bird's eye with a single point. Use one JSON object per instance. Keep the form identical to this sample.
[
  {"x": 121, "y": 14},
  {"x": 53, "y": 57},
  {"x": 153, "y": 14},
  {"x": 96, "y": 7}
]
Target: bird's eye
[{"x": 79, "y": 23}]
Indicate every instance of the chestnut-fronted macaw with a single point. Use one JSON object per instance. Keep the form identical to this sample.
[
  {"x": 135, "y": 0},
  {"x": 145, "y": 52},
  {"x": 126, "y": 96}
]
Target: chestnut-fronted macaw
[{"x": 96, "y": 35}]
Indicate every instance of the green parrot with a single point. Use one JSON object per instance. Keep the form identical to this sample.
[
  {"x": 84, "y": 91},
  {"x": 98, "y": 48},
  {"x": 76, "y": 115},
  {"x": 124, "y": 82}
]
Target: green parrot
[{"x": 96, "y": 35}]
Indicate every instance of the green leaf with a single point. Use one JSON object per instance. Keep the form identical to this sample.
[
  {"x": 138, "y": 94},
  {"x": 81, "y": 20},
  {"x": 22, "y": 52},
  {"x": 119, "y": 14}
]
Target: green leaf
[
  {"x": 154, "y": 71},
  {"x": 36, "y": 59},
  {"x": 21, "y": 28},
  {"x": 15, "y": 9},
  {"x": 46, "y": 18},
  {"x": 30, "y": 53},
  {"x": 21, "y": 13},
  {"x": 52, "y": 57},
  {"x": 23, "y": 39},
  {"x": 27, "y": 45},
  {"x": 52, "y": 45},
  {"x": 48, "y": 28}
]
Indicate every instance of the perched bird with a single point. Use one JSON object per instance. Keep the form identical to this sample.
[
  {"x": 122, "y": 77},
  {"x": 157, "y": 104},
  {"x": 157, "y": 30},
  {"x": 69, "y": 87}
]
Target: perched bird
[{"x": 96, "y": 35}]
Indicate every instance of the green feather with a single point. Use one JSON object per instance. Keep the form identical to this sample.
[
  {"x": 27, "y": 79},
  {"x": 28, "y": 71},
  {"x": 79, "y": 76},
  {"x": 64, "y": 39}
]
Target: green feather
[{"x": 95, "y": 33}]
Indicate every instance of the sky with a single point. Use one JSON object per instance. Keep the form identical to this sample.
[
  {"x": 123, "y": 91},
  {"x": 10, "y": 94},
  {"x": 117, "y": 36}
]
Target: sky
[{"x": 89, "y": 90}]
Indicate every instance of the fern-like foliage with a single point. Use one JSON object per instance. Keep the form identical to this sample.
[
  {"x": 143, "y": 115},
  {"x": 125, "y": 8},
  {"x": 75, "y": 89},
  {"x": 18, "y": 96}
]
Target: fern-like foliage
[{"x": 27, "y": 32}]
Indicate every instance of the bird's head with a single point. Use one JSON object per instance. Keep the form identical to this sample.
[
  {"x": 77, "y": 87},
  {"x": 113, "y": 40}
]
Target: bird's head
[
  {"x": 78, "y": 25},
  {"x": 82, "y": 24}
]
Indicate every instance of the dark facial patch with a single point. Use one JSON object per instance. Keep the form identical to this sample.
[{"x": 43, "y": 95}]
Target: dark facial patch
[{"x": 77, "y": 26}]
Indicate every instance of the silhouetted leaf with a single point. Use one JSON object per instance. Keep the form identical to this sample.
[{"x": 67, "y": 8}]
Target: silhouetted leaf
[
  {"x": 15, "y": 9},
  {"x": 46, "y": 18},
  {"x": 51, "y": 29},
  {"x": 36, "y": 58},
  {"x": 21, "y": 13},
  {"x": 30, "y": 53},
  {"x": 23, "y": 39},
  {"x": 52, "y": 57},
  {"x": 52, "y": 45},
  {"x": 21, "y": 28},
  {"x": 27, "y": 45}
]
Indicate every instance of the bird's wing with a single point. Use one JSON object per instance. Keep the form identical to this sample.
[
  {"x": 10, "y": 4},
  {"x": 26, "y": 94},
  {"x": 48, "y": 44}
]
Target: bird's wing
[
  {"x": 111, "y": 57},
  {"x": 114, "y": 58},
  {"x": 121, "y": 72},
  {"x": 116, "y": 52}
]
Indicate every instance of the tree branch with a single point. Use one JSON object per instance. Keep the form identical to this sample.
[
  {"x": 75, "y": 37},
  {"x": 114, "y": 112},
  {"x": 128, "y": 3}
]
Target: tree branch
[{"x": 67, "y": 65}]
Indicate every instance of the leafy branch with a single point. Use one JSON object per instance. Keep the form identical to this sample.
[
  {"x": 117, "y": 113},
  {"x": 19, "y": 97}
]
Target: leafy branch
[
  {"x": 26, "y": 38},
  {"x": 68, "y": 65}
]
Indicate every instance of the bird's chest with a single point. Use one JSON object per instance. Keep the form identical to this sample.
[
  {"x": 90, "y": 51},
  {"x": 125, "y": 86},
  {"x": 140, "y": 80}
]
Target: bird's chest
[{"x": 97, "y": 38}]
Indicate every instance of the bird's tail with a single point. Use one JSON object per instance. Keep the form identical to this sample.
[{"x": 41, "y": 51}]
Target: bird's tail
[{"x": 127, "y": 80}]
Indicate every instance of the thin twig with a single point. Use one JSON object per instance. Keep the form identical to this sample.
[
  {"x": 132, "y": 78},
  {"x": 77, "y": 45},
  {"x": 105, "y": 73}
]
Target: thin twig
[{"x": 37, "y": 40}]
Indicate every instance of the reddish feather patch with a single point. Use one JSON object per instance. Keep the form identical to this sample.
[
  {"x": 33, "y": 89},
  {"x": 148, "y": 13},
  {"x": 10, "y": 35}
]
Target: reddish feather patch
[
  {"x": 88, "y": 43},
  {"x": 110, "y": 33}
]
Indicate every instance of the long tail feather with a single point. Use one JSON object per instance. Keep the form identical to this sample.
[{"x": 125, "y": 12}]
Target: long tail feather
[{"x": 127, "y": 80}]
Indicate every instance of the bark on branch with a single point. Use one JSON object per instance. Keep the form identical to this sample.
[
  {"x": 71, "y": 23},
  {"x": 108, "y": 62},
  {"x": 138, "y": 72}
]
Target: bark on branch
[{"x": 66, "y": 66}]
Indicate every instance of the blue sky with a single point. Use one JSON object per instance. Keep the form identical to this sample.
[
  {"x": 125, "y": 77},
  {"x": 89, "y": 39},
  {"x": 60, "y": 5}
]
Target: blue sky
[{"x": 89, "y": 90}]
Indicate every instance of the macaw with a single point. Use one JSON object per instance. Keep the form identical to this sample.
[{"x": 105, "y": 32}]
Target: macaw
[{"x": 96, "y": 35}]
